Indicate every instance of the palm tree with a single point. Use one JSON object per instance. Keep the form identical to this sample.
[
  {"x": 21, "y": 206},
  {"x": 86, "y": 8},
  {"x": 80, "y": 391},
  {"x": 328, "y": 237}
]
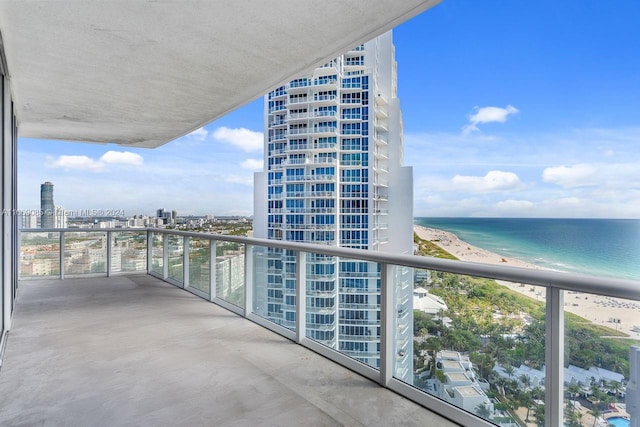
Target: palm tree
[
  {"x": 574, "y": 390},
  {"x": 509, "y": 370},
  {"x": 539, "y": 414},
  {"x": 527, "y": 401},
  {"x": 615, "y": 386},
  {"x": 483, "y": 411},
  {"x": 596, "y": 413},
  {"x": 525, "y": 380},
  {"x": 500, "y": 384}
]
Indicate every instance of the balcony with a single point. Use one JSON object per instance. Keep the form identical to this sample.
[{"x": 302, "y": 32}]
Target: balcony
[
  {"x": 134, "y": 350},
  {"x": 122, "y": 275}
]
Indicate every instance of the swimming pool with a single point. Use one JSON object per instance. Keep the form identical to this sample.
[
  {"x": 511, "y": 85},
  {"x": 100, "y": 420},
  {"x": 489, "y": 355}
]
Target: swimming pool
[{"x": 619, "y": 422}]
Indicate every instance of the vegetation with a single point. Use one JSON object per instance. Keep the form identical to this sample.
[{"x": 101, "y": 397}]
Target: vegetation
[
  {"x": 427, "y": 248},
  {"x": 493, "y": 324}
]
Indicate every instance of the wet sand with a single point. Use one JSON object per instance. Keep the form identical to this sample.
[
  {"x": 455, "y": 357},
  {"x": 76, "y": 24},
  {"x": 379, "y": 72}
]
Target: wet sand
[{"x": 598, "y": 309}]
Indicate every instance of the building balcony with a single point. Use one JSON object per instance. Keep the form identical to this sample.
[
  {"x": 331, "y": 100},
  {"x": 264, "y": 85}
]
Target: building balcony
[
  {"x": 278, "y": 137},
  {"x": 325, "y": 84},
  {"x": 298, "y": 100},
  {"x": 322, "y": 114},
  {"x": 291, "y": 117},
  {"x": 351, "y": 101},
  {"x": 324, "y": 100},
  {"x": 134, "y": 350},
  {"x": 128, "y": 331}
]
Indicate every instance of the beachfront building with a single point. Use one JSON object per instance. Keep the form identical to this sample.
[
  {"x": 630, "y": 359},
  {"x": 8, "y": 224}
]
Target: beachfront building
[
  {"x": 334, "y": 176},
  {"x": 458, "y": 384},
  {"x": 428, "y": 303}
]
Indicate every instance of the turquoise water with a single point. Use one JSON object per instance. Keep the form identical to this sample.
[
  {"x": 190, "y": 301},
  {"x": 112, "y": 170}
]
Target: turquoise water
[
  {"x": 619, "y": 422},
  {"x": 602, "y": 247}
]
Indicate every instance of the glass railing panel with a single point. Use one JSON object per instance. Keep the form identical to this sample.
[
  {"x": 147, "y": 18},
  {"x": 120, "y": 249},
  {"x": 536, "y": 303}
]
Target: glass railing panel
[
  {"x": 599, "y": 334},
  {"x": 128, "y": 251},
  {"x": 157, "y": 253},
  {"x": 343, "y": 306},
  {"x": 230, "y": 272},
  {"x": 39, "y": 254},
  {"x": 85, "y": 252},
  {"x": 199, "y": 265},
  {"x": 274, "y": 293},
  {"x": 475, "y": 343},
  {"x": 175, "y": 257}
]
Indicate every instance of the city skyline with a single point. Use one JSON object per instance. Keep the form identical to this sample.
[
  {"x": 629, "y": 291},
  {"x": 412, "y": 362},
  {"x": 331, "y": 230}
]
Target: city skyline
[{"x": 509, "y": 110}]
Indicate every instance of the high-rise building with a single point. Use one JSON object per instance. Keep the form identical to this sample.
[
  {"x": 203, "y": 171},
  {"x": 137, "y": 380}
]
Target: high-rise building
[
  {"x": 47, "y": 208},
  {"x": 60, "y": 217},
  {"x": 30, "y": 220},
  {"x": 334, "y": 175}
]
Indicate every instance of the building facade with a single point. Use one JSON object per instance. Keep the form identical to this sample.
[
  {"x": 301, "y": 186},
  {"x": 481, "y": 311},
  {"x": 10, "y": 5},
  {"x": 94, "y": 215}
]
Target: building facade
[
  {"x": 334, "y": 175},
  {"x": 47, "y": 208}
]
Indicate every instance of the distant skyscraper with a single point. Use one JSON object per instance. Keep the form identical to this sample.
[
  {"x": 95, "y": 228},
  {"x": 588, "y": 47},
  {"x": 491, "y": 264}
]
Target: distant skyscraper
[
  {"x": 30, "y": 219},
  {"x": 334, "y": 175},
  {"x": 47, "y": 208},
  {"x": 60, "y": 217}
]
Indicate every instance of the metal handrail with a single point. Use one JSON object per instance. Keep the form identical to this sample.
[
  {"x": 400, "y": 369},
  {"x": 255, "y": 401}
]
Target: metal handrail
[
  {"x": 554, "y": 282},
  {"x": 606, "y": 286}
]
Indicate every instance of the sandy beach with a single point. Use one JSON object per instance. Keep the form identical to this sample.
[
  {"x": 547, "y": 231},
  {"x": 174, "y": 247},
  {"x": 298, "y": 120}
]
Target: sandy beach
[{"x": 597, "y": 309}]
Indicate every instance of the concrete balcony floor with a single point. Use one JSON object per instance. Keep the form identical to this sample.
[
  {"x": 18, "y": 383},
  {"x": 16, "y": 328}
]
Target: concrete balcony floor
[{"x": 133, "y": 350}]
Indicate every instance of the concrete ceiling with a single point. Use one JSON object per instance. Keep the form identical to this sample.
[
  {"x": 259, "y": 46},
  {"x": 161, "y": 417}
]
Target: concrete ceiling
[{"x": 142, "y": 73}]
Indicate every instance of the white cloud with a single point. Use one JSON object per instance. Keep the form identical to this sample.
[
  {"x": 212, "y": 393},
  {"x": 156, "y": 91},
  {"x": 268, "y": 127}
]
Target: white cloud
[
  {"x": 606, "y": 175},
  {"x": 253, "y": 164},
  {"x": 571, "y": 176},
  {"x": 86, "y": 163},
  {"x": 122, "y": 157},
  {"x": 199, "y": 134},
  {"x": 488, "y": 115},
  {"x": 245, "y": 139},
  {"x": 493, "y": 181},
  {"x": 76, "y": 163}
]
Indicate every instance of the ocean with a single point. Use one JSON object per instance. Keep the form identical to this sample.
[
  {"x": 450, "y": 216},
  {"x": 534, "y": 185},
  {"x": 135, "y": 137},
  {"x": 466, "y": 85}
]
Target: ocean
[{"x": 601, "y": 247}]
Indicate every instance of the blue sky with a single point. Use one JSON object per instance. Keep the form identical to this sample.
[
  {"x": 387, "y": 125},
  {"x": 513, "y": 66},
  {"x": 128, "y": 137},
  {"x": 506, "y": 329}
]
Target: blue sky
[{"x": 510, "y": 108}]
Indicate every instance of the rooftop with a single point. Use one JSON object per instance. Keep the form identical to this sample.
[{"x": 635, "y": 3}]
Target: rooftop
[
  {"x": 468, "y": 391},
  {"x": 134, "y": 350}
]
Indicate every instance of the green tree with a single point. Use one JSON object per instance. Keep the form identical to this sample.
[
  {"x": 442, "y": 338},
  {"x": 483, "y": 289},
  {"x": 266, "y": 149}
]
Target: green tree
[
  {"x": 525, "y": 380},
  {"x": 526, "y": 400},
  {"x": 539, "y": 415},
  {"x": 595, "y": 411},
  {"x": 483, "y": 411},
  {"x": 574, "y": 391}
]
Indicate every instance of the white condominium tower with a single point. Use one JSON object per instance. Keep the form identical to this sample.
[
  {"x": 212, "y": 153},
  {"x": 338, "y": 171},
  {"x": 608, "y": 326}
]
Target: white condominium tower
[{"x": 334, "y": 176}]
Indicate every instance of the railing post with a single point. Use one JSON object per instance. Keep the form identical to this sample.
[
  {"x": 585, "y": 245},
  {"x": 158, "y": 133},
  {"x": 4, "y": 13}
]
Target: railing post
[
  {"x": 149, "y": 250},
  {"x": 19, "y": 256},
  {"x": 386, "y": 325},
  {"x": 248, "y": 280},
  {"x": 213, "y": 247},
  {"x": 185, "y": 261},
  {"x": 109, "y": 241},
  {"x": 165, "y": 256},
  {"x": 301, "y": 295},
  {"x": 554, "y": 357},
  {"x": 62, "y": 255},
  {"x": 633, "y": 387}
]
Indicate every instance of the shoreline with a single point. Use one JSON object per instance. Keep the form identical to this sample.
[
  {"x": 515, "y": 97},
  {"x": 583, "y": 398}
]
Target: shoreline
[{"x": 595, "y": 308}]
